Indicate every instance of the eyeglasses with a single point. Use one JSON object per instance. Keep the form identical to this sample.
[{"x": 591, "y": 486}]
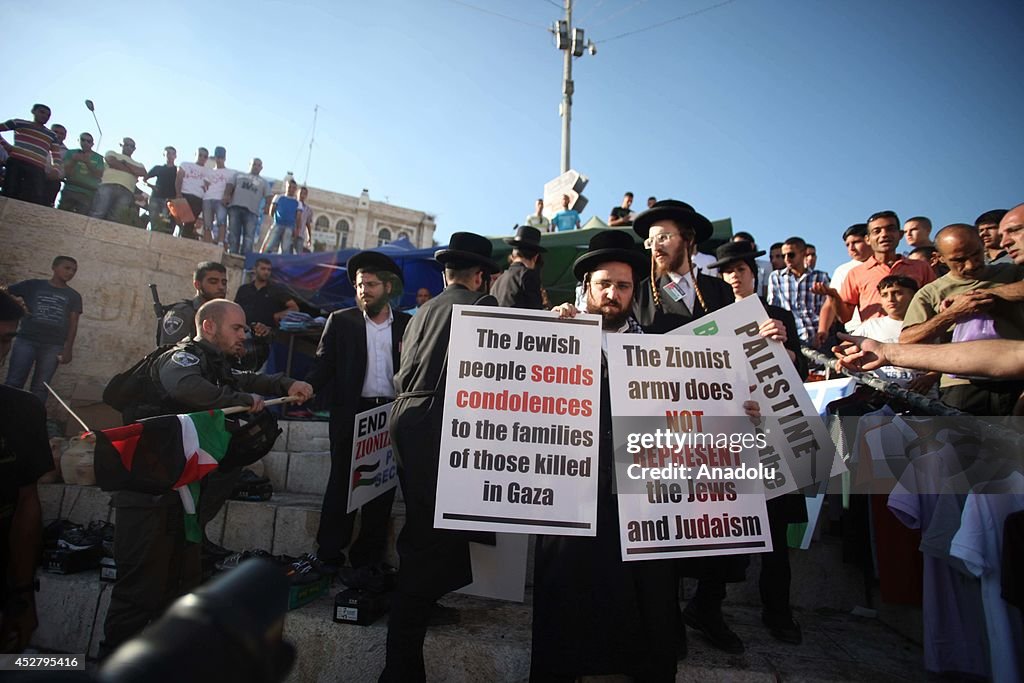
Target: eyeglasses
[
  {"x": 659, "y": 239},
  {"x": 789, "y": 254}
]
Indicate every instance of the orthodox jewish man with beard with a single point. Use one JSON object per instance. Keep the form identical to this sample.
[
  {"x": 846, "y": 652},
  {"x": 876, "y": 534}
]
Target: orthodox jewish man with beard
[
  {"x": 594, "y": 614},
  {"x": 432, "y": 561},
  {"x": 675, "y": 293},
  {"x": 357, "y": 357}
]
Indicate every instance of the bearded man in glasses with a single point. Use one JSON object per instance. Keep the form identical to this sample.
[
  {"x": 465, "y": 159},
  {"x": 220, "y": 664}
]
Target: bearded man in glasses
[{"x": 675, "y": 293}]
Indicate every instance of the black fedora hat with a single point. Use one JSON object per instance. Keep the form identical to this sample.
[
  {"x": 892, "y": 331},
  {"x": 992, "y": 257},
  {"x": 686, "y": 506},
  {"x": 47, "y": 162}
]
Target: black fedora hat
[
  {"x": 674, "y": 210},
  {"x": 374, "y": 260},
  {"x": 740, "y": 250},
  {"x": 527, "y": 238},
  {"x": 466, "y": 249},
  {"x": 611, "y": 245}
]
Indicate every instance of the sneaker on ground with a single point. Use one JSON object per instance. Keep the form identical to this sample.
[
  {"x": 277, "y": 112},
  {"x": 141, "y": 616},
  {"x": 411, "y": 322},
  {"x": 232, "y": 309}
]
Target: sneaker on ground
[
  {"x": 235, "y": 559},
  {"x": 78, "y": 539},
  {"x": 301, "y": 572}
]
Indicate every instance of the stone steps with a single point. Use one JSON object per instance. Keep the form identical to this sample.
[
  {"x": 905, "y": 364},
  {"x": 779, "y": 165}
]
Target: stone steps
[
  {"x": 287, "y": 525},
  {"x": 493, "y": 642}
]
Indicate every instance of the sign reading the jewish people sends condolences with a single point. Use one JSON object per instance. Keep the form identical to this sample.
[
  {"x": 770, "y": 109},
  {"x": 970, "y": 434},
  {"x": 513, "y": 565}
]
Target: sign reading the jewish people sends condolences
[
  {"x": 686, "y": 471},
  {"x": 521, "y": 414},
  {"x": 374, "y": 469},
  {"x": 798, "y": 447}
]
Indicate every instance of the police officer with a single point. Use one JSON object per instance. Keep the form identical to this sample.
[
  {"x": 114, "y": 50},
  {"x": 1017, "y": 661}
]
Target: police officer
[
  {"x": 178, "y": 323},
  {"x": 154, "y": 561}
]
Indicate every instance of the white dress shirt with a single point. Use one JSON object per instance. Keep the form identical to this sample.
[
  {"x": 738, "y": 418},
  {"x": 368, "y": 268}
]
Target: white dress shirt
[{"x": 380, "y": 368}]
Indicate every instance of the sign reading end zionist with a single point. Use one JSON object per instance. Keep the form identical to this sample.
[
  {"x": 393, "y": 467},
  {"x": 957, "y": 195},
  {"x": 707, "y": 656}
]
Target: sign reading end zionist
[
  {"x": 519, "y": 442},
  {"x": 374, "y": 469}
]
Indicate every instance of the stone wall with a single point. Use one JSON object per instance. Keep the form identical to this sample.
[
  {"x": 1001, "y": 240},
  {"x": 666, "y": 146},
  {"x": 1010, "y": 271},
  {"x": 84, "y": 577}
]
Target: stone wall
[{"x": 116, "y": 263}]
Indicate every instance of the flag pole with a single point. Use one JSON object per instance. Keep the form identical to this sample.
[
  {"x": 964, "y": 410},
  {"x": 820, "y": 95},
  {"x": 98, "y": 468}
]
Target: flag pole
[
  {"x": 272, "y": 402},
  {"x": 66, "y": 407}
]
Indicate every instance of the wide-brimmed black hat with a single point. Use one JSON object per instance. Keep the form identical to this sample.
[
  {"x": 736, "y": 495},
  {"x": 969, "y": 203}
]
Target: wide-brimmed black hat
[
  {"x": 673, "y": 210},
  {"x": 740, "y": 250},
  {"x": 465, "y": 249},
  {"x": 612, "y": 245},
  {"x": 527, "y": 238},
  {"x": 373, "y": 260}
]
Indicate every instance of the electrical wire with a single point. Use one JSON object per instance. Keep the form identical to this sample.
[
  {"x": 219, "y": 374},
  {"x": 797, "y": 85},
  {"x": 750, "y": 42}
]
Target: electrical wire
[
  {"x": 618, "y": 13},
  {"x": 498, "y": 14},
  {"x": 667, "y": 21}
]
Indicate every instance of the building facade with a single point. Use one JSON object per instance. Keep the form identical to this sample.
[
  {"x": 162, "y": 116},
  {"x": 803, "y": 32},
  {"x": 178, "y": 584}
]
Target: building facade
[{"x": 341, "y": 221}]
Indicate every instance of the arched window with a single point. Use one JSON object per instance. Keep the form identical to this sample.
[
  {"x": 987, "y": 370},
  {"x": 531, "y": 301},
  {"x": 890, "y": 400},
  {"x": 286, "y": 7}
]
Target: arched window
[
  {"x": 383, "y": 237},
  {"x": 404, "y": 235},
  {"x": 342, "y": 229},
  {"x": 322, "y": 223}
]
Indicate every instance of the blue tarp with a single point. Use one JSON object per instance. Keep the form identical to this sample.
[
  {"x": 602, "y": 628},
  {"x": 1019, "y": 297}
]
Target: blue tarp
[{"x": 320, "y": 279}]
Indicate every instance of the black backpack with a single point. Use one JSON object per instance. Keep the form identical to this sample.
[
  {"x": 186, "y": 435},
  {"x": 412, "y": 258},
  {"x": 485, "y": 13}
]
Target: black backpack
[{"x": 134, "y": 393}]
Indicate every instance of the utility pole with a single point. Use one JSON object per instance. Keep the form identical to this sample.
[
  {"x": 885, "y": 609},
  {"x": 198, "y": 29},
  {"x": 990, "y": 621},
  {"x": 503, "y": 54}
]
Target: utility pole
[{"x": 570, "y": 41}]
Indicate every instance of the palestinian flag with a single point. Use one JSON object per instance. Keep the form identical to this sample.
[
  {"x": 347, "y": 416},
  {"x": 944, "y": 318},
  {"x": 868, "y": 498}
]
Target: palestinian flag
[
  {"x": 365, "y": 475},
  {"x": 162, "y": 454}
]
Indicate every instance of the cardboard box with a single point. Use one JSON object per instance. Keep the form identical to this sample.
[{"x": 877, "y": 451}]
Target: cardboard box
[
  {"x": 307, "y": 593},
  {"x": 362, "y": 608},
  {"x": 64, "y": 561}
]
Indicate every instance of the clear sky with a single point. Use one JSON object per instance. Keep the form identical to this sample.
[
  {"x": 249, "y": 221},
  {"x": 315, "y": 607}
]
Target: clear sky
[{"x": 797, "y": 117}]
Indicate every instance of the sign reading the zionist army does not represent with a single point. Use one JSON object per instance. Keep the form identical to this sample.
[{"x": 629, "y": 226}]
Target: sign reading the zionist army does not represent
[
  {"x": 686, "y": 469},
  {"x": 374, "y": 469},
  {"x": 520, "y": 433},
  {"x": 798, "y": 446}
]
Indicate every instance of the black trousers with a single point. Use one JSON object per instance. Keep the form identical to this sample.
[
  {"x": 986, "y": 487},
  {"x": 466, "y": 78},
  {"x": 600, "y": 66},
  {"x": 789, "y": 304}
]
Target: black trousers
[
  {"x": 24, "y": 181},
  {"x": 775, "y": 575},
  {"x": 195, "y": 203},
  {"x": 773, "y": 582},
  {"x": 155, "y": 566},
  {"x": 336, "y": 524},
  {"x": 216, "y": 489},
  {"x": 407, "y": 628}
]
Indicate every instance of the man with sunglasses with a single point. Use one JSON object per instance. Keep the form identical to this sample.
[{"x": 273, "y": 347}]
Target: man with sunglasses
[
  {"x": 793, "y": 288},
  {"x": 83, "y": 169}
]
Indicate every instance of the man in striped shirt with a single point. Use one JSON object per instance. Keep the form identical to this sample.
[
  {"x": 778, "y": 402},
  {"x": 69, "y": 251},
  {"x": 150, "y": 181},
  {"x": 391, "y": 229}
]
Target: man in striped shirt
[
  {"x": 29, "y": 155},
  {"x": 791, "y": 288}
]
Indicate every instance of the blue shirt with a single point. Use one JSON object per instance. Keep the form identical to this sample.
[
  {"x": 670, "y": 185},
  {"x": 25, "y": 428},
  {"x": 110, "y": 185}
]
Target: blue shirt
[
  {"x": 284, "y": 212},
  {"x": 565, "y": 220},
  {"x": 793, "y": 293}
]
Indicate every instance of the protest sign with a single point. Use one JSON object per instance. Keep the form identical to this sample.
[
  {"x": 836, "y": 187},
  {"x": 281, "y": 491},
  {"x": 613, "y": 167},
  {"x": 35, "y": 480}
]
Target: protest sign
[
  {"x": 374, "y": 469},
  {"x": 687, "y": 478},
  {"x": 519, "y": 441},
  {"x": 798, "y": 444}
]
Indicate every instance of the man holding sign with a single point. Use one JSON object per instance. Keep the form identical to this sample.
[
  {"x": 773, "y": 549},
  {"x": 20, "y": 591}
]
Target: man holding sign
[
  {"x": 736, "y": 264},
  {"x": 433, "y": 561},
  {"x": 593, "y": 613},
  {"x": 357, "y": 358}
]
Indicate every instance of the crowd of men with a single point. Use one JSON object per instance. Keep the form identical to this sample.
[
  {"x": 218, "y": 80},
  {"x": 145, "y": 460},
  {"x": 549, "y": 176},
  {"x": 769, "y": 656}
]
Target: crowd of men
[
  {"x": 593, "y": 613},
  {"x": 203, "y": 199}
]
